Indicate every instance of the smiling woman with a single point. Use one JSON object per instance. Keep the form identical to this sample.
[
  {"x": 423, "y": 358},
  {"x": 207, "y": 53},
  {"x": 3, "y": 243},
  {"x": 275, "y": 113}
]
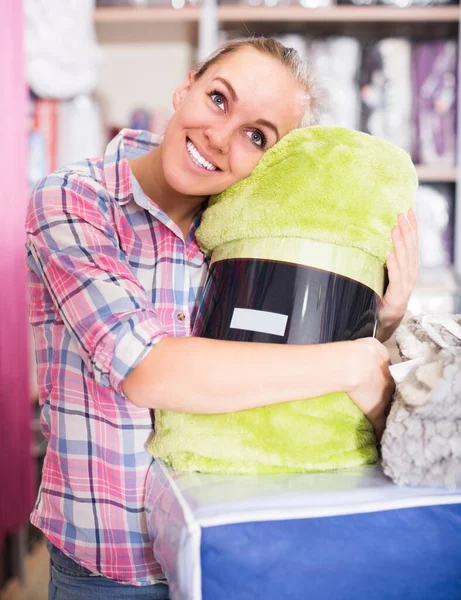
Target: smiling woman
[
  {"x": 115, "y": 279},
  {"x": 238, "y": 104}
]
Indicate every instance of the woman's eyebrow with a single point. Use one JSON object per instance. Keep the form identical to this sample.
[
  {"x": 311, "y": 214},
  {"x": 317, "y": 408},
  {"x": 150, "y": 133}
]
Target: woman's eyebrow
[
  {"x": 270, "y": 126},
  {"x": 235, "y": 99},
  {"x": 229, "y": 87}
]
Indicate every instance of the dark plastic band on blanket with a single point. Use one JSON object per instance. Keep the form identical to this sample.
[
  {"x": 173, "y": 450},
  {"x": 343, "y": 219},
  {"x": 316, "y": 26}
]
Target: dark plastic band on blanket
[{"x": 292, "y": 304}]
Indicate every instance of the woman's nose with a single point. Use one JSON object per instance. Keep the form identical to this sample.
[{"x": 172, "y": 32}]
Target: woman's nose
[{"x": 219, "y": 139}]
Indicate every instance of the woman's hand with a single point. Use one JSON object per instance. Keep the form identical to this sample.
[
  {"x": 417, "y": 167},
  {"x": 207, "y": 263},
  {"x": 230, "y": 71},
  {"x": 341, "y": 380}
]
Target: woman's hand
[
  {"x": 374, "y": 386},
  {"x": 402, "y": 266}
]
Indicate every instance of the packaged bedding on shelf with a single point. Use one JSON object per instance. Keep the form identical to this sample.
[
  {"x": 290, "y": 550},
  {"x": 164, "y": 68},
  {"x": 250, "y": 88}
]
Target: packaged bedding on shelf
[
  {"x": 434, "y": 72},
  {"x": 335, "y": 61},
  {"x": 437, "y": 291},
  {"x": 62, "y": 53},
  {"x": 385, "y": 90},
  {"x": 435, "y": 214}
]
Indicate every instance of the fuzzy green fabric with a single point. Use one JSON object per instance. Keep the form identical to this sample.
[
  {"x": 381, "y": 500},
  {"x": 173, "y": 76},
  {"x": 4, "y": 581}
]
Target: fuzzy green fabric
[
  {"x": 328, "y": 432},
  {"x": 328, "y": 184}
]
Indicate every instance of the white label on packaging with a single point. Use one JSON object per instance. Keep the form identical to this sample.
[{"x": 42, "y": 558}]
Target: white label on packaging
[{"x": 259, "y": 320}]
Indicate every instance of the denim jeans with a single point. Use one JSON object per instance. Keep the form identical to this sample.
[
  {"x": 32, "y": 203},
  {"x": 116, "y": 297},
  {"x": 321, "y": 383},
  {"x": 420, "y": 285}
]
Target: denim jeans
[{"x": 70, "y": 581}]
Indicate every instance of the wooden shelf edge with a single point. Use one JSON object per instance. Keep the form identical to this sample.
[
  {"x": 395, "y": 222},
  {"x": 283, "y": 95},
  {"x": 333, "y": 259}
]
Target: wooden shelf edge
[
  {"x": 338, "y": 14},
  {"x": 427, "y": 174},
  {"x": 349, "y": 14},
  {"x": 161, "y": 14}
]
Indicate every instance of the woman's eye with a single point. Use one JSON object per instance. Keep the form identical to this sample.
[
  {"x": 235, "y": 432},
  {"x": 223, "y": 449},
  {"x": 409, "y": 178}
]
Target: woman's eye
[
  {"x": 257, "y": 138},
  {"x": 218, "y": 99}
]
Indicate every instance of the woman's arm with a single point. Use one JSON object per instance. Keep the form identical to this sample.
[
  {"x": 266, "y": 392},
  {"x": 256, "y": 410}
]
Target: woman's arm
[
  {"x": 73, "y": 247},
  {"x": 200, "y": 375}
]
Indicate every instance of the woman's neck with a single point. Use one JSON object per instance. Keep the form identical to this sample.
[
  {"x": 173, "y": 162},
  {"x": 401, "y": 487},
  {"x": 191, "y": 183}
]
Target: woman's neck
[{"x": 179, "y": 207}]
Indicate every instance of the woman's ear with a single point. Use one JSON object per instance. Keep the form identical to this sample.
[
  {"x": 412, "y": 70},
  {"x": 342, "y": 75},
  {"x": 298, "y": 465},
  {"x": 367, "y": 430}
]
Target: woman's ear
[{"x": 182, "y": 90}]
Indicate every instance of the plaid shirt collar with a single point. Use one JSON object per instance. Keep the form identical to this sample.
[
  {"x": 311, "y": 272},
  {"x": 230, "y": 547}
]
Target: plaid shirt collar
[
  {"x": 127, "y": 144},
  {"x": 123, "y": 187}
]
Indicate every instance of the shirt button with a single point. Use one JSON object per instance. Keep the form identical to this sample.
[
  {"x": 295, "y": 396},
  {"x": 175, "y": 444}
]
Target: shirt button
[{"x": 181, "y": 316}]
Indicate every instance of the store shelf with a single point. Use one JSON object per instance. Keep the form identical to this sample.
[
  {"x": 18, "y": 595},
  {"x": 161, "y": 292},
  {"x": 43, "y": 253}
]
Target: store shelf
[
  {"x": 145, "y": 15},
  {"x": 338, "y": 14},
  {"x": 427, "y": 174}
]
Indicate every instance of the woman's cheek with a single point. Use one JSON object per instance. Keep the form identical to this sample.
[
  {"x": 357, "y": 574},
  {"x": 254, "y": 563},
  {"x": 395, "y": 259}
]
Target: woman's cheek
[
  {"x": 245, "y": 162},
  {"x": 198, "y": 116}
]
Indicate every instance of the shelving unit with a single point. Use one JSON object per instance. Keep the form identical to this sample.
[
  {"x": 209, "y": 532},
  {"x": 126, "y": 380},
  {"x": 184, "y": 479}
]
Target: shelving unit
[
  {"x": 426, "y": 174},
  {"x": 298, "y": 14},
  {"x": 340, "y": 14},
  {"x": 107, "y": 16},
  {"x": 206, "y": 21}
]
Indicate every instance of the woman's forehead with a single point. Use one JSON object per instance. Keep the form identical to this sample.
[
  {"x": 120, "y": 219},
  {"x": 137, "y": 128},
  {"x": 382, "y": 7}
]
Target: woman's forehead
[
  {"x": 260, "y": 82},
  {"x": 248, "y": 62}
]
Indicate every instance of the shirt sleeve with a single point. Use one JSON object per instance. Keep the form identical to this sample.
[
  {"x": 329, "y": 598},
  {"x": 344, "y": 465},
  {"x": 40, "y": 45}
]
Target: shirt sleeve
[{"x": 75, "y": 249}]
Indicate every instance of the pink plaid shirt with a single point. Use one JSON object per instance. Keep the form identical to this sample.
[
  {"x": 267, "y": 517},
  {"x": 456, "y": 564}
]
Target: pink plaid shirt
[{"x": 110, "y": 275}]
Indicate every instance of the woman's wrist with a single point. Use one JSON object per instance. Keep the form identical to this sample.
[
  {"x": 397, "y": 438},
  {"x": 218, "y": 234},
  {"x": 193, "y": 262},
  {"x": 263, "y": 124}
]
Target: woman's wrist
[
  {"x": 343, "y": 360},
  {"x": 385, "y": 331}
]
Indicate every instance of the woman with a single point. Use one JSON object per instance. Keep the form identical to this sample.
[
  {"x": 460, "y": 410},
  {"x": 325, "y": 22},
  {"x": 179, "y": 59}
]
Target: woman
[{"x": 115, "y": 272}]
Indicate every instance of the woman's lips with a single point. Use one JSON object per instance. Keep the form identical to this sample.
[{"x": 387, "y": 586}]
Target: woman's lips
[{"x": 195, "y": 161}]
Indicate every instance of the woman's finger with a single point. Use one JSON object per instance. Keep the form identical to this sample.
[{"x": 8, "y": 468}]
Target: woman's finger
[
  {"x": 409, "y": 229},
  {"x": 407, "y": 234},
  {"x": 393, "y": 269},
  {"x": 414, "y": 231},
  {"x": 396, "y": 297},
  {"x": 410, "y": 240},
  {"x": 401, "y": 255},
  {"x": 414, "y": 225}
]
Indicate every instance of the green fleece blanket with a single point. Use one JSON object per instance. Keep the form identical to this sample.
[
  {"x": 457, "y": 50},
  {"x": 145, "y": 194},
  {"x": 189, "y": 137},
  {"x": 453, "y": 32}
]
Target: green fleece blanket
[{"x": 319, "y": 188}]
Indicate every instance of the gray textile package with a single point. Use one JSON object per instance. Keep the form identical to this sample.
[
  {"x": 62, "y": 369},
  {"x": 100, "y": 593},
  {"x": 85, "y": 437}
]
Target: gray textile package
[{"x": 421, "y": 445}]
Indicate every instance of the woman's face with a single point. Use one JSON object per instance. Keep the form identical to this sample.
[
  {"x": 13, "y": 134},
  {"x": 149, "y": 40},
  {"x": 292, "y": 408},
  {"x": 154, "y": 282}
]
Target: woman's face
[{"x": 225, "y": 121}]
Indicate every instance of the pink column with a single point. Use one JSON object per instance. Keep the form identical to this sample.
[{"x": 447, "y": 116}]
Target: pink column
[{"x": 15, "y": 406}]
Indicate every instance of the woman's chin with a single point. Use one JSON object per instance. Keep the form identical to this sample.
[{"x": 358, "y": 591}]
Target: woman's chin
[
  {"x": 184, "y": 186},
  {"x": 188, "y": 185}
]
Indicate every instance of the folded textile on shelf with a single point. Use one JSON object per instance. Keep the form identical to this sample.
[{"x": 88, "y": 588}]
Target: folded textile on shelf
[
  {"x": 437, "y": 291},
  {"x": 434, "y": 211},
  {"x": 434, "y": 89},
  {"x": 336, "y": 61},
  {"x": 80, "y": 130},
  {"x": 385, "y": 89},
  {"x": 61, "y": 50}
]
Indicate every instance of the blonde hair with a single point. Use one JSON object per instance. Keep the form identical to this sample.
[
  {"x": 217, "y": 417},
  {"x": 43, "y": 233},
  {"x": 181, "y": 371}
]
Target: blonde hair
[{"x": 288, "y": 57}]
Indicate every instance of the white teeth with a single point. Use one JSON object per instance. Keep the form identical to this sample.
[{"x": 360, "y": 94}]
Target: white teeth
[{"x": 198, "y": 158}]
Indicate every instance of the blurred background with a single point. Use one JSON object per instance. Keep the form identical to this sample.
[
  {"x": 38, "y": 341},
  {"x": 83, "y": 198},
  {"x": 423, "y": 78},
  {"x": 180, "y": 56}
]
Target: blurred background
[{"x": 74, "y": 72}]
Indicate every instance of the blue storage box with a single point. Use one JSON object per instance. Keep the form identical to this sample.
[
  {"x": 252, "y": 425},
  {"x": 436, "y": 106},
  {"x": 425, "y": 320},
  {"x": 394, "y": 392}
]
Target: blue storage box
[{"x": 343, "y": 535}]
